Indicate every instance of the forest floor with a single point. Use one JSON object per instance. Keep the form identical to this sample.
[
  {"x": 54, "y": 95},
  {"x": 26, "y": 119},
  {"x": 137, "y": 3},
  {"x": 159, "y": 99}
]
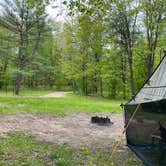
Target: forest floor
[{"x": 72, "y": 139}]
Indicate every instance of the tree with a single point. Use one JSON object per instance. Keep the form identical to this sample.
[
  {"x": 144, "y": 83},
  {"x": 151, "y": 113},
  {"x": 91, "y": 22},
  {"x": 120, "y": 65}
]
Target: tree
[
  {"x": 154, "y": 16},
  {"x": 26, "y": 22},
  {"x": 5, "y": 55},
  {"x": 123, "y": 25}
]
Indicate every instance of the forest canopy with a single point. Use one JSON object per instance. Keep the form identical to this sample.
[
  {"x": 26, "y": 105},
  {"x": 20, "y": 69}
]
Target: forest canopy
[{"x": 104, "y": 47}]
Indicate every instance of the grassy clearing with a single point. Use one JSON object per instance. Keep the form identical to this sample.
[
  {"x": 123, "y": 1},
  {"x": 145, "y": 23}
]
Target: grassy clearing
[
  {"x": 21, "y": 149},
  {"x": 59, "y": 106},
  {"x": 24, "y": 93}
]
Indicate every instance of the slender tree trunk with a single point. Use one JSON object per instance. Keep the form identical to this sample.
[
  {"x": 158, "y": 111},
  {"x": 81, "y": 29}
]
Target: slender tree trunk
[
  {"x": 83, "y": 86},
  {"x": 95, "y": 86},
  {"x": 74, "y": 86},
  {"x": 17, "y": 84},
  {"x": 19, "y": 76},
  {"x": 21, "y": 65},
  {"x": 84, "y": 80},
  {"x": 150, "y": 65},
  {"x": 114, "y": 89},
  {"x": 51, "y": 82},
  {"x": 130, "y": 60},
  {"x": 86, "y": 86},
  {"x": 23, "y": 51},
  {"x": 101, "y": 87},
  {"x": 124, "y": 77}
]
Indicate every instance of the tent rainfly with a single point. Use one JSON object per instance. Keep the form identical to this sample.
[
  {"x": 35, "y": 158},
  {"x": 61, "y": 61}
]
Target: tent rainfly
[{"x": 145, "y": 118}]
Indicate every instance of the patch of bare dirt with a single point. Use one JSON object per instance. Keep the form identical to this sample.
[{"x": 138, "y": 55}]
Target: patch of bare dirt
[
  {"x": 55, "y": 95},
  {"x": 76, "y": 129}
]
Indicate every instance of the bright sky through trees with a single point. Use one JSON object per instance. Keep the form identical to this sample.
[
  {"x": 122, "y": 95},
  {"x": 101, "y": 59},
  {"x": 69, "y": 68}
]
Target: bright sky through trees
[{"x": 57, "y": 11}]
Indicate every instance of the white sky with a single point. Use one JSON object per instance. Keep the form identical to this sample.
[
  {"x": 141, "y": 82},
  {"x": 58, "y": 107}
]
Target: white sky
[{"x": 57, "y": 11}]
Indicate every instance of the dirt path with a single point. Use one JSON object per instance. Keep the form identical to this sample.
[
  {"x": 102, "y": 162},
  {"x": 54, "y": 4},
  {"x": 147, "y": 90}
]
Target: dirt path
[
  {"x": 55, "y": 95},
  {"x": 75, "y": 129}
]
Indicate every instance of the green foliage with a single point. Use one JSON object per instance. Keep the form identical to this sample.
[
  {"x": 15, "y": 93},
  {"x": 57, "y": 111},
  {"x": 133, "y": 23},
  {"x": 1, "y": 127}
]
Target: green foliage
[
  {"x": 26, "y": 22},
  {"x": 83, "y": 52},
  {"x": 31, "y": 54},
  {"x": 154, "y": 16},
  {"x": 107, "y": 48},
  {"x": 85, "y": 151},
  {"x": 112, "y": 30}
]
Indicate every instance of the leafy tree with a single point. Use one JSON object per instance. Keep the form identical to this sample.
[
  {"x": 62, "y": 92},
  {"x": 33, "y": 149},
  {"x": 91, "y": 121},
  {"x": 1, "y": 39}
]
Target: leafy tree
[
  {"x": 154, "y": 18},
  {"x": 5, "y": 55},
  {"x": 124, "y": 30},
  {"x": 26, "y": 22}
]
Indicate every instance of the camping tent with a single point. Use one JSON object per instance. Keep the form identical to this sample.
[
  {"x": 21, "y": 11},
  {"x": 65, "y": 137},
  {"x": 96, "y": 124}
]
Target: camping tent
[{"x": 145, "y": 118}]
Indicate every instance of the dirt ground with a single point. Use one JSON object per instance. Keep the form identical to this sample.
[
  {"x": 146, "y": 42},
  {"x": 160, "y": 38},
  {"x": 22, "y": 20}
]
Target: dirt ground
[
  {"x": 55, "y": 95},
  {"x": 74, "y": 129}
]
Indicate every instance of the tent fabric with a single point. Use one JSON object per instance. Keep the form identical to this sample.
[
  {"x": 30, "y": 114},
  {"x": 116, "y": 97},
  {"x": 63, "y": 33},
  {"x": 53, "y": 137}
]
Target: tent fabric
[
  {"x": 144, "y": 135},
  {"x": 155, "y": 88},
  {"x": 146, "y": 132},
  {"x": 145, "y": 123},
  {"x": 150, "y": 156}
]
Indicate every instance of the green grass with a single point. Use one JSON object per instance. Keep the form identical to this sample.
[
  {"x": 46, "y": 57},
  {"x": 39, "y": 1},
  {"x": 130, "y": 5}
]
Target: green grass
[
  {"x": 19, "y": 149},
  {"x": 24, "y": 93},
  {"x": 60, "y": 106},
  {"x": 22, "y": 150}
]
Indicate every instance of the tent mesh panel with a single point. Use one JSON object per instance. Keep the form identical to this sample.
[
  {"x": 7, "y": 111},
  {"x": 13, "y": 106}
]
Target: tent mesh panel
[{"x": 143, "y": 132}]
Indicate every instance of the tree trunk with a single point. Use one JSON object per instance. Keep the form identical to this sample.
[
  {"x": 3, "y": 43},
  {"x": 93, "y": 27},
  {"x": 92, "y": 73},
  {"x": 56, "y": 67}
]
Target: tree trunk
[
  {"x": 124, "y": 77},
  {"x": 74, "y": 86},
  {"x": 95, "y": 86},
  {"x": 21, "y": 65},
  {"x": 114, "y": 89},
  {"x": 150, "y": 65},
  {"x": 17, "y": 84},
  {"x": 101, "y": 87},
  {"x": 131, "y": 72}
]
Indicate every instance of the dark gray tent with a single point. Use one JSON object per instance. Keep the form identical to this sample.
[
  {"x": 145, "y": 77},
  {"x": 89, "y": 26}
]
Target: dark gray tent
[{"x": 145, "y": 116}]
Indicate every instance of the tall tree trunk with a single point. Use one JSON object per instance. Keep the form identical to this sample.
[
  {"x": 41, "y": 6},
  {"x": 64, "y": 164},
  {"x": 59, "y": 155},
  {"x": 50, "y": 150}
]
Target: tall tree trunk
[
  {"x": 130, "y": 60},
  {"x": 84, "y": 80},
  {"x": 74, "y": 86},
  {"x": 19, "y": 76},
  {"x": 124, "y": 77},
  {"x": 150, "y": 65},
  {"x": 17, "y": 84},
  {"x": 101, "y": 87},
  {"x": 83, "y": 86},
  {"x": 95, "y": 86},
  {"x": 114, "y": 89},
  {"x": 21, "y": 65}
]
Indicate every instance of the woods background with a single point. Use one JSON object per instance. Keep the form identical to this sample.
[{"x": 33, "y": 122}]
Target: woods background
[{"x": 103, "y": 48}]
